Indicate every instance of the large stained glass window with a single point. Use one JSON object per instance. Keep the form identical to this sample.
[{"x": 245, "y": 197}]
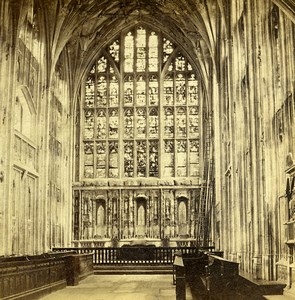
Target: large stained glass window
[{"x": 141, "y": 110}]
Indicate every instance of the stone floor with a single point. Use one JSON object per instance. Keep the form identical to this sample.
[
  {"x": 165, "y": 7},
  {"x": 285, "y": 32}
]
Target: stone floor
[
  {"x": 120, "y": 287},
  {"x": 279, "y": 297}
]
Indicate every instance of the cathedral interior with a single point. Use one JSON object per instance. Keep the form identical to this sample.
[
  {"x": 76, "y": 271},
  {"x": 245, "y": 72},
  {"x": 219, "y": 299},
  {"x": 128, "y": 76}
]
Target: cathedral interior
[{"x": 164, "y": 121}]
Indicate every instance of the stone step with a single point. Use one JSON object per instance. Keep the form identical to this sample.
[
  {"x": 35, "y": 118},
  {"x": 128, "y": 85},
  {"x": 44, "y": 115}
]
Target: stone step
[{"x": 133, "y": 269}]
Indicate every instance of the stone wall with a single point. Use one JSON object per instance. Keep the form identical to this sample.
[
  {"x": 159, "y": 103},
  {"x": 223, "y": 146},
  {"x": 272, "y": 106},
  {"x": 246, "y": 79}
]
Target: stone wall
[
  {"x": 35, "y": 149},
  {"x": 255, "y": 125}
]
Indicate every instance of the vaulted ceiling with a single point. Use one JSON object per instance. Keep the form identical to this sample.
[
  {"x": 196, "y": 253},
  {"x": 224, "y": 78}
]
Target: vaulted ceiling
[
  {"x": 81, "y": 28},
  {"x": 77, "y": 29}
]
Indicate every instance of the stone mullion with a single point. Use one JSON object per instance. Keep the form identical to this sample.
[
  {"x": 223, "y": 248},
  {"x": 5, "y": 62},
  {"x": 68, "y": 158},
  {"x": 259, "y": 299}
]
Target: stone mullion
[
  {"x": 244, "y": 151},
  {"x": 240, "y": 134},
  {"x": 223, "y": 165},
  {"x": 226, "y": 211},
  {"x": 252, "y": 230},
  {"x": 292, "y": 75},
  {"x": 254, "y": 139},
  {"x": 120, "y": 210},
  {"x": 268, "y": 108},
  {"x": 289, "y": 70},
  {"x": 70, "y": 179},
  {"x": 272, "y": 149},
  {"x": 276, "y": 143},
  {"x": 236, "y": 137},
  {"x": 190, "y": 214},
  {"x": 109, "y": 220},
  {"x": 7, "y": 88},
  {"x": 283, "y": 145},
  {"x": 266, "y": 249},
  {"x": 225, "y": 227},
  {"x": 291, "y": 65},
  {"x": 273, "y": 137},
  {"x": 283, "y": 60},
  {"x": 259, "y": 147},
  {"x": 149, "y": 214},
  {"x": 3, "y": 128},
  {"x": 67, "y": 173},
  {"x": 174, "y": 229},
  {"x": 271, "y": 186},
  {"x": 80, "y": 235},
  {"x": 233, "y": 73},
  {"x": 217, "y": 125},
  {"x": 268, "y": 136}
]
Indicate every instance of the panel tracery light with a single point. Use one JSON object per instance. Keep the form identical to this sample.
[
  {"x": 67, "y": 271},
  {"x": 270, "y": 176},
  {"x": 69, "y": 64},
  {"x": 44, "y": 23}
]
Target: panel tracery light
[{"x": 141, "y": 110}]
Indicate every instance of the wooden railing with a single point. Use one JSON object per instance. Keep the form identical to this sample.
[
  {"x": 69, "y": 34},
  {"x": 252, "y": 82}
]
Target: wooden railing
[{"x": 140, "y": 255}]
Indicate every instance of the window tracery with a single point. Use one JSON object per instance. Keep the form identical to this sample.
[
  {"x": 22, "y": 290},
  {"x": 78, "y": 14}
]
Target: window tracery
[{"x": 141, "y": 110}]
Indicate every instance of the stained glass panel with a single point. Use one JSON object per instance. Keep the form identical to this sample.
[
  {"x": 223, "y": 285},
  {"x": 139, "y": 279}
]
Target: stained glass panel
[
  {"x": 89, "y": 92},
  {"x": 139, "y": 113},
  {"x": 181, "y": 122},
  {"x": 141, "y": 158},
  {"x": 101, "y": 124},
  {"x": 101, "y": 159},
  {"x": 88, "y": 153},
  {"x": 181, "y": 158},
  {"x": 140, "y": 122},
  {"x": 194, "y": 158},
  {"x": 153, "y": 90},
  {"x": 114, "y": 91},
  {"x": 167, "y": 49},
  {"x": 113, "y": 123},
  {"x": 113, "y": 159},
  {"x": 153, "y": 123},
  {"x": 153, "y": 52},
  {"x": 114, "y": 49},
  {"x": 128, "y": 159},
  {"x": 141, "y": 38},
  {"x": 128, "y": 123},
  {"x": 88, "y": 159},
  {"x": 89, "y": 125},
  {"x": 101, "y": 91},
  {"x": 129, "y": 52},
  {"x": 169, "y": 122},
  {"x": 193, "y": 90},
  {"x": 180, "y": 63},
  {"x": 193, "y": 121},
  {"x": 168, "y": 90},
  {"x": 141, "y": 91},
  {"x": 169, "y": 158},
  {"x": 92, "y": 70},
  {"x": 102, "y": 65},
  {"x": 153, "y": 159},
  {"x": 141, "y": 50},
  {"x": 128, "y": 90},
  {"x": 88, "y": 171},
  {"x": 180, "y": 89}
]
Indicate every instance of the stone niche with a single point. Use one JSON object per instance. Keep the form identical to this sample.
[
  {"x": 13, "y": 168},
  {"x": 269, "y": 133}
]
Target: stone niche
[{"x": 127, "y": 214}]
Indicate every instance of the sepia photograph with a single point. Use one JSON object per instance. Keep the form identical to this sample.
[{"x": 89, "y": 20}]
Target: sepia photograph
[{"x": 147, "y": 149}]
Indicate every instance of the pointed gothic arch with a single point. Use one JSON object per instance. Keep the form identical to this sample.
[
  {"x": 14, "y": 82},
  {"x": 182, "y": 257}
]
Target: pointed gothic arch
[{"x": 142, "y": 97}]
